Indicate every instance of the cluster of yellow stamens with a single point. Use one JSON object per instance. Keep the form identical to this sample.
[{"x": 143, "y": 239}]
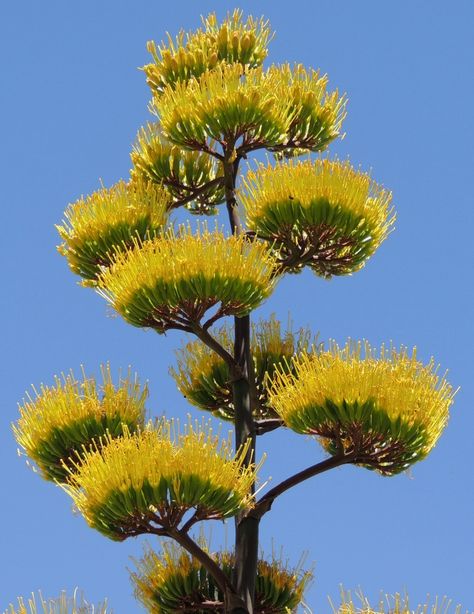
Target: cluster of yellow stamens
[
  {"x": 61, "y": 420},
  {"x": 205, "y": 380},
  {"x": 191, "y": 54},
  {"x": 155, "y": 476},
  {"x": 167, "y": 581},
  {"x": 320, "y": 213},
  {"x": 184, "y": 173},
  {"x": 387, "y": 410},
  {"x": 60, "y": 605},
  {"x": 173, "y": 280},
  {"x": 394, "y": 604},
  {"x": 110, "y": 220}
]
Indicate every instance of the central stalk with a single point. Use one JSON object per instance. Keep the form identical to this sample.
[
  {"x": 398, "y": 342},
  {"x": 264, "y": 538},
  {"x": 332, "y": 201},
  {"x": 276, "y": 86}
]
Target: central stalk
[{"x": 246, "y": 529}]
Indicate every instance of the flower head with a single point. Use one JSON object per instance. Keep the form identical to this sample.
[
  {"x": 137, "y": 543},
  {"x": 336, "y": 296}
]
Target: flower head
[
  {"x": 61, "y": 605},
  {"x": 386, "y": 412},
  {"x": 394, "y": 604},
  {"x": 204, "y": 378},
  {"x": 171, "y": 281},
  {"x": 173, "y": 579},
  {"x": 276, "y": 108},
  {"x": 233, "y": 41},
  {"x": 109, "y": 220},
  {"x": 184, "y": 173},
  {"x": 59, "y": 422},
  {"x": 318, "y": 213},
  {"x": 150, "y": 479}
]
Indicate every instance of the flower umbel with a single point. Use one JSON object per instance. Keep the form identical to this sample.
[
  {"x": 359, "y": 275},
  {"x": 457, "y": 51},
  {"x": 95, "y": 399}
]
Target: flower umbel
[
  {"x": 204, "y": 378},
  {"x": 173, "y": 581},
  {"x": 60, "y": 605},
  {"x": 145, "y": 482},
  {"x": 171, "y": 281},
  {"x": 318, "y": 213},
  {"x": 233, "y": 41},
  {"x": 191, "y": 178},
  {"x": 63, "y": 420},
  {"x": 386, "y": 412},
  {"x": 110, "y": 220},
  {"x": 394, "y": 604}
]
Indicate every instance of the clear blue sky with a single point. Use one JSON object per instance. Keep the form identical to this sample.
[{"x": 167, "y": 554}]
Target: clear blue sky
[{"x": 72, "y": 101}]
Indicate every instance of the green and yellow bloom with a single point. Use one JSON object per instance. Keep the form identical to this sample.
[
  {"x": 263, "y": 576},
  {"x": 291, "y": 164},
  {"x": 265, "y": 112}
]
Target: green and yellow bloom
[
  {"x": 233, "y": 41},
  {"x": 204, "y": 378},
  {"x": 110, "y": 220},
  {"x": 318, "y": 213},
  {"x": 149, "y": 479},
  {"x": 191, "y": 178},
  {"x": 60, "y": 422},
  {"x": 173, "y": 580},
  {"x": 171, "y": 281},
  {"x": 385, "y": 411},
  {"x": 394, "y": 604},
  {"x": 279, "y": 109},
  {"x": 60, "y": 605}
]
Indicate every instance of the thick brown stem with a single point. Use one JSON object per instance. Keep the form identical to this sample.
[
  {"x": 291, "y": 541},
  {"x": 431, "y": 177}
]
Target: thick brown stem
[{"x": 246, "y": 531}]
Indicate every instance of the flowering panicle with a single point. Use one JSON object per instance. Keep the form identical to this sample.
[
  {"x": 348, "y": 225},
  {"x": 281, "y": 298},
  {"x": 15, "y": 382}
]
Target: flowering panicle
[
  {"x": 233, "y": 41},
  {"x": 386, "y": 411},
  {"x": 109, "y": 220},
  {"x": 191, "y": 178},
  {"x": 318, "y": 213},
  {"x": 170, "y": 581},
  {"x": 171, "y": 281},
  {"x": 204, "y": 378},
  {"x": 148, "y": 480},
  {"x": 63, "y": 420}
]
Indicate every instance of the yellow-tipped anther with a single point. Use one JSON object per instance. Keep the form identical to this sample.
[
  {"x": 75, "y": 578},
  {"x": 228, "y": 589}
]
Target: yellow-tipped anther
[
  {"x": 60, "y": 421},
  {"x": 318, "y": 213},
  {"x": 133, "y": 484},
  {"x": 386, "y": 411},
  {"x": 171, "y": 281},
  {"x": 110, "y": 220}
]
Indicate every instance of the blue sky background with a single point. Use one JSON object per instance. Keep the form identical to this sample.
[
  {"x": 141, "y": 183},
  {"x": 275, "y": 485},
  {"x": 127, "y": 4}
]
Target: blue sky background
[{"x": 72, "y": 101}]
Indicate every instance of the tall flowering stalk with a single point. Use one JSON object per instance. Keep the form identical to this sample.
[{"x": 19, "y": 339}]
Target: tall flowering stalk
[{"x": 215, "y": 103}]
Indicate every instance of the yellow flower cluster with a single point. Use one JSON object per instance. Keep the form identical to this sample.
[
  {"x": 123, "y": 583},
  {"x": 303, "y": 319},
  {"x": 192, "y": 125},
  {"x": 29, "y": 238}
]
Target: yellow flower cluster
[
  {"x": 61, "y": 605},
  {"x": 155, "y": 476},
  {"x": 394, "y": 604},
  {"x": 325, "y": 208},
  {"x": 278, "y": 107},
  {"x": 354, "y": 398},
  {"x": 109, "y": 220},
  {"x": 59, "y": 421},
  {"x": 191, "y": 54},
  {"x": 182, "y": 172},
  {"x": 205, "y": 380},
  {"x": 166, "y": 582},
  {"x": 171, "y": 281}
]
